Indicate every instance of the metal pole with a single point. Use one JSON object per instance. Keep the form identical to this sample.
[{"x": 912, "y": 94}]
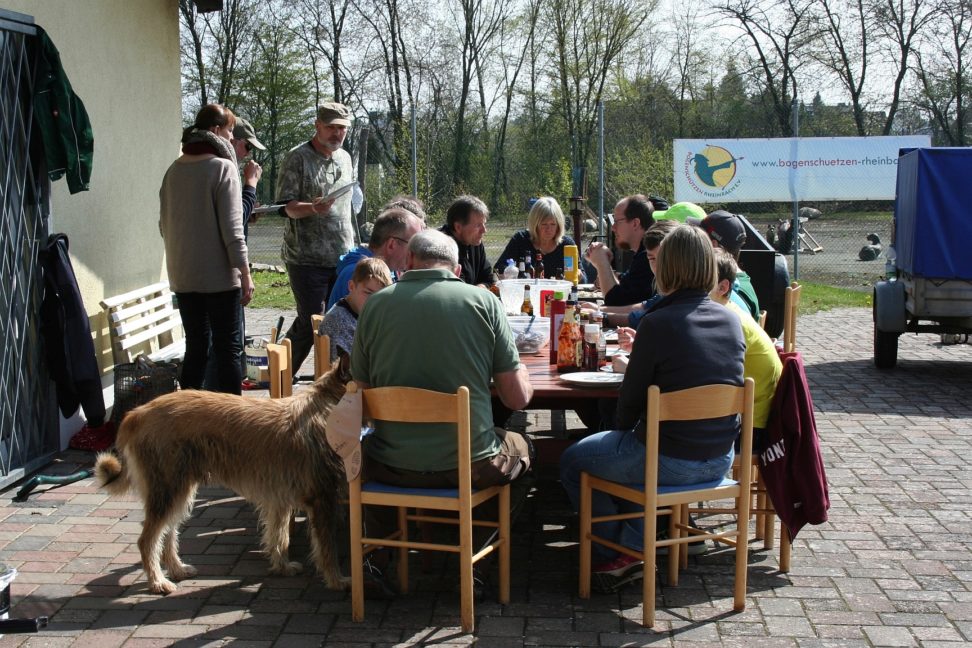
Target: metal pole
[
  {"x": 795, "y": 227},
  {"x": 362, "y": 216},
  {"x": 600, "y": 168},
  {"x": 414, "y": 155}
]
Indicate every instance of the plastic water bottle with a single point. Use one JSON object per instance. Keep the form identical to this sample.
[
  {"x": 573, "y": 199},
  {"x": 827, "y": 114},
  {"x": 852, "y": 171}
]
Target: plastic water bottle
[{"x": 510, "y": 271}]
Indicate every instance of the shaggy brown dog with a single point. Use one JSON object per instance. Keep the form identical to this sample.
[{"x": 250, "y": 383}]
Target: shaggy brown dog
[{"x": 272, "y": 452}]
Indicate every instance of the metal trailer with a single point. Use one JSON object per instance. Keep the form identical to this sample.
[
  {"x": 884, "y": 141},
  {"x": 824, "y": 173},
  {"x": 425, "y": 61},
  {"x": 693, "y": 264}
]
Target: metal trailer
[{"x": 929, "y": 284}]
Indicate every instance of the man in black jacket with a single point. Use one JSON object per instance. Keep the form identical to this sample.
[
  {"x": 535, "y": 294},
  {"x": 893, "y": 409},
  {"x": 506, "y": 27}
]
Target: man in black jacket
[
  {"x": 632, "y": 218},
  {"x": 466, "y": 223}
]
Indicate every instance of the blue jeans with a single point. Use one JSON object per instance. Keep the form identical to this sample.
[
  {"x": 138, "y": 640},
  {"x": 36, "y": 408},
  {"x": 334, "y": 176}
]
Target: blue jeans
[
  {"x": 619, "y": 455},
  {"x": 311, "y": 286},
  {"x": 212, "y": 318}
]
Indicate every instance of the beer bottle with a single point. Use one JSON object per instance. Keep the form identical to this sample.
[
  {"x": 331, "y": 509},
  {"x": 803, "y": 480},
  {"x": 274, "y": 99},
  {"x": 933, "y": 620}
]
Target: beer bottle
[
  {"x": 539, "y": 266},
  {"x": 527, "y": 306},
  {"x": 531, "y": 273}
]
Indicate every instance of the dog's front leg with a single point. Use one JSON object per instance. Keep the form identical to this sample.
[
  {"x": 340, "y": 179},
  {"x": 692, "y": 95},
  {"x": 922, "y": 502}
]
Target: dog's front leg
[{"x": 276, "y": 541}]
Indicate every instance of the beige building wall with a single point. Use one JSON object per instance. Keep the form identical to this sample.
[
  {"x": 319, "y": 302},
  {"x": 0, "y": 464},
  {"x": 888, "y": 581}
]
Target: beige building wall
[{"x": 122, "y": 58}]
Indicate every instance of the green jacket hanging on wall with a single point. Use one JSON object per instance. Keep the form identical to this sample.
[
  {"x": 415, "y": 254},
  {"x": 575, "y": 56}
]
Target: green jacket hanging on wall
[{"x": 62, "y": 120}]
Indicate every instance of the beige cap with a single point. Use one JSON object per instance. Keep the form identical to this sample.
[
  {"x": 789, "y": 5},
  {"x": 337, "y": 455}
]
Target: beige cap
[{"x": 334, "y": 113}]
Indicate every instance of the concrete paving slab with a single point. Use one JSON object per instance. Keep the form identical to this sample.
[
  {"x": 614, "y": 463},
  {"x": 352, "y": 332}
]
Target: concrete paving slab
[{"x": 892, "y": 566}]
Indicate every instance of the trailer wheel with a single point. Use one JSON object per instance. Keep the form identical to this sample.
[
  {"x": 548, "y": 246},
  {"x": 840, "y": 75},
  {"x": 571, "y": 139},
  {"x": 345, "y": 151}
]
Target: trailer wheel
[
  {"x": 885, "y": 349},
  {"x": 885, "y": 342}
]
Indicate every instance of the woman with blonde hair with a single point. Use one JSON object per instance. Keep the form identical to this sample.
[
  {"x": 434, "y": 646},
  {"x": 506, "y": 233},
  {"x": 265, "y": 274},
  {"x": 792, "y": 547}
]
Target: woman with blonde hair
[
  {"x": 201, "y": 221},
  {"x": 544, "y": 235},
  {"x": 685, "y": 340}
]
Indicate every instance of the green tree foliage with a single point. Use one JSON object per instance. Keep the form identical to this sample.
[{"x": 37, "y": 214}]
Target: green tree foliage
[{"x": 275, "y": 95}]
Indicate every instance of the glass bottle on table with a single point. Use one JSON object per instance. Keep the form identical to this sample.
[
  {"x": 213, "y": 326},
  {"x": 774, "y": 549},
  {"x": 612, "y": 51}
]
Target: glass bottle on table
[
  {"x": 592, "y": 332},
  {"x": 570, "y": 342},
  {"x": 522, "y": 270},
  {"x": 494, "y": 287},
  {"x": 556, "y": 312},
  {"x": 538, "y": 266},
  {"x": 526, "y": 307},
  {"x": 601, "y": 338},
  {"x": 531, "y": 273}
]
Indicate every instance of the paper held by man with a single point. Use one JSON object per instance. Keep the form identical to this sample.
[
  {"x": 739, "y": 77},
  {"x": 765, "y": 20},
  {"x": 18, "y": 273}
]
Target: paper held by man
[
  {"x": 337, "y": 193},
  {"x": 330, "y": 195}
]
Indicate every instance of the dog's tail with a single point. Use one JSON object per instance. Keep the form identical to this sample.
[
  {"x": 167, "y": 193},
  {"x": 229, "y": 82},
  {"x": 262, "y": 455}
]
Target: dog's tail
[{"x": 111, "y": 474}]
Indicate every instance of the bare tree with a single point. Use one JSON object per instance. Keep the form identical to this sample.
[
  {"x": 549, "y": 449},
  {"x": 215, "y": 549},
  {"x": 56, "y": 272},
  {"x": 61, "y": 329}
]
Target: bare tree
[
  {"x": 385, "y": 19},
  {"x": 589, "y": 37},
  {"x": 479, "y": 23},
  {"x": 944, "y": 72},
  {"x": 778, "y": 32},
  {"x": 330, "y": 31},
  {"x": 690, "y": 64},
  {"x": 231, "y": 39},
  {"x": 900, "y": 23},
  {"x": 512, "y": 63},
  {"x": 843, "y": 50},
  {"x": 192, "y": 48}
]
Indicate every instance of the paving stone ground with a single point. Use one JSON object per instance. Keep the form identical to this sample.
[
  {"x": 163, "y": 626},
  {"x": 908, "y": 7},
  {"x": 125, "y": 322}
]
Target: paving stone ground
[{"x": 892, "y": 567}]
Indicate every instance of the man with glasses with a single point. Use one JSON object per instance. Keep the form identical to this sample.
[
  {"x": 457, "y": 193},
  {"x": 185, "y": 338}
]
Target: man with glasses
[
  {"x": 244, "y": 141},
  {"x": 392, "y": 231},
  {"x": 632, "y": 218},
  {"x": 317, "y": 232}
]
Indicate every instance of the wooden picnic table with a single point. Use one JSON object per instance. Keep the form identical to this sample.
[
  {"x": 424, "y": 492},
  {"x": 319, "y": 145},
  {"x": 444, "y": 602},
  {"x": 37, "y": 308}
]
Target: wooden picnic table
[
  {"x": 552, "y": 393},
  {"x": 548, "y": 386}
]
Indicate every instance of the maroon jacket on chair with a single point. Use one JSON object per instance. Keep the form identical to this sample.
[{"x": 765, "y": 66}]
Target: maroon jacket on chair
[{"x": 791, "y": 465}]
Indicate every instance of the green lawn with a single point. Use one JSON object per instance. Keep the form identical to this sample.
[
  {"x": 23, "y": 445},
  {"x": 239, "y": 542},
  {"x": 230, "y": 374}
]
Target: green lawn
[
  {"x": 819, "y": 297},
  {"x": 273, "y": 291}
]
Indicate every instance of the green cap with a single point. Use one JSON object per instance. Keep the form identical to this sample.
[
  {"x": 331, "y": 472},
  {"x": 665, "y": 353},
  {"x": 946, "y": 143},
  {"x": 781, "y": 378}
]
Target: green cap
[{"x": 679, "y": 212}]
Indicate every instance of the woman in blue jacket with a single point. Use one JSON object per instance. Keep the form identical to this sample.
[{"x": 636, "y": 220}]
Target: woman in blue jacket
[{"x": 685, "y": 340}]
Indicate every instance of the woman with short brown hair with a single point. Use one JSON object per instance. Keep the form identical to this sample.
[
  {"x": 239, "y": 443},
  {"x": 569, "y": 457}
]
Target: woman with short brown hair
[{"x": 201, "y": 221}]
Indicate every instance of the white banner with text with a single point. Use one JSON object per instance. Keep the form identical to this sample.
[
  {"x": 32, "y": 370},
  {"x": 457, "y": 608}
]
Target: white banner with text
[{"x": 787, "y": 169}]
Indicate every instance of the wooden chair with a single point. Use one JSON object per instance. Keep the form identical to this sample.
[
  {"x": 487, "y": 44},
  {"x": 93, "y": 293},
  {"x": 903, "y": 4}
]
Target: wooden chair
[
  {"x": 411, "y": 405},
  {"x": 697, "y": 403},
  {"x": 281, "y": 369},
  {"x": 322, "y": 348},
  {"x": 791, "y": 304}
]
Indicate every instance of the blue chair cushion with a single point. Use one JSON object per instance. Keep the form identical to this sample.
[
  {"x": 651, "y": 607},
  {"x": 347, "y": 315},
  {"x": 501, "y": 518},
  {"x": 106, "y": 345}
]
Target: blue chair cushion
[
  {"x": 664, "y": 490},
  {"x": 378, "y": 487}
]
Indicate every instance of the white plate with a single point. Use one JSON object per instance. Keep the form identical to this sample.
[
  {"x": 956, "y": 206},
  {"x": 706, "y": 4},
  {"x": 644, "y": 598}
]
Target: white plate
[
  {"x": 593, "y": 378},
  {"x": 610, "y": 352}
]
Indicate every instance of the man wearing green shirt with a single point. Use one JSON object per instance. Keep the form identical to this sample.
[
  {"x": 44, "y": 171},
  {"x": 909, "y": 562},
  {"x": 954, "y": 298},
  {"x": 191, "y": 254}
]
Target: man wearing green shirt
[{"x": 430, "y": 330}]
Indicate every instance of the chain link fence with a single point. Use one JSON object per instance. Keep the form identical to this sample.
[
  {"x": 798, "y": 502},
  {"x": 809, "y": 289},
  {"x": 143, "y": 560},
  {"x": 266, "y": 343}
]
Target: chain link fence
[{"x": 835, "y": 246}]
